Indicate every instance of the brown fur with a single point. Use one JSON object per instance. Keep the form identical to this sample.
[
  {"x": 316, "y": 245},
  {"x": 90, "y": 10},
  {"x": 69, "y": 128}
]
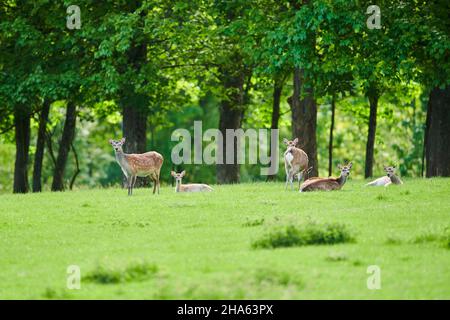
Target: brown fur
[
  {"x": 324, "y": 184},
  {"x": 192, "y": 187},
  {"x": 327, "y": 184},
  {"x": 138, "y": 165},
  {"x": 300, "y": 160},
  {"x": 295, "y": 161},
  {"x": 146, "y": 162}
]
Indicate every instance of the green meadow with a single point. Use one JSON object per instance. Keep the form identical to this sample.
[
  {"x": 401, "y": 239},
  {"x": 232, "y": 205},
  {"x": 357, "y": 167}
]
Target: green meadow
[{"x": 248, "y": 241}]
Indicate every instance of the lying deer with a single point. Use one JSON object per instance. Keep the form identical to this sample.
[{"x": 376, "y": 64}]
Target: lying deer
[
  {"x": 193, "y": 187},
  {"x": 387, "y": 180},
  {"x": 327, "y": 184},
  {"x": 295, "y": 161},
  {"x": 138, "y": 165}
]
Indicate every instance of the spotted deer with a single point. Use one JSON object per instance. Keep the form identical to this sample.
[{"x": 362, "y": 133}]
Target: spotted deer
[
  {"x": 295, "y": 162},
  {"x": 193, "y": 187},
  {"x": 388, "y": 179},
  {"x": 327, "y": 184},
  {"x": 138, "y": 165}
]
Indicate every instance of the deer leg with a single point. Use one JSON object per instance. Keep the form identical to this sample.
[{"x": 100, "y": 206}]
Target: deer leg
[
  {"x": 299, "y": 177},
  {"x": 133, "y": 182},
  {"x": 154, "y": 183},
  {"x": 291, "y": 180},
  {"x": 157, "y": 181},
  {"x": 287, "y": 178},
  {"x": 129, "y": 179}
]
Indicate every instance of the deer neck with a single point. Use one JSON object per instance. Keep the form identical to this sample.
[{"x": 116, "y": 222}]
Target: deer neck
[
  {"x": 177, "y": 186},
  {"x": 341, "y": 180},
  {"x": 120, "y": 157},
  {"x": 395, "y": 179}
]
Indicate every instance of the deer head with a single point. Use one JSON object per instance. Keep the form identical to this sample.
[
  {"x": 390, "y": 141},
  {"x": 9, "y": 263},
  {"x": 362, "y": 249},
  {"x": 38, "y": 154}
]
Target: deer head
[
  {"x": 117, "y": 145},
  {"x": 390, "y": 171},
  {"x": 178, "y": 176},
  {"x": 345, "y": 169},
  {"x": 290, "y": 143}
]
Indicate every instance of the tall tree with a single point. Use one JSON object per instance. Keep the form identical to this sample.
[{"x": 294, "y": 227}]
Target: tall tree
[
  {"x": 373, "y": 97},
  {"x": 231, "y": 110},
  {"x": 22, "y": 117},
  {"x": 430, "y": 48},
  {"x": 64, "y": 146},
  {"x": 304, "y": 117},
  {"x": 278, "y": 84},
  {"x": 40, "y": 146},
  {"x": 330, "y": 141},
  {"x": 437, "y": 144},
  {"x": 227, "y": 44}
]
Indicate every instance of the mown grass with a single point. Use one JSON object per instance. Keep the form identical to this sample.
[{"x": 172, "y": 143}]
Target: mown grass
[{"x": 200, "y": 246}]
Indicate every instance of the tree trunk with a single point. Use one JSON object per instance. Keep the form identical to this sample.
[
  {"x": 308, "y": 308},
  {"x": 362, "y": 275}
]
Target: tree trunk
[
  {"x": 135, "y": 110},
  {"x": 22, "y": 132},
  {"x": 437, "y": 144},
  {"x": 40, "y": 147},
  {"x": 373, "y": 104},
  {"x": 135, "y": 131},
  {"x": 64, "y": 147},
  {"x": 277, "y": 90},
  {"x": 330, "y": 145},
  {"x": 230, "y": 117},
  {"x": 304, "y": 118}
]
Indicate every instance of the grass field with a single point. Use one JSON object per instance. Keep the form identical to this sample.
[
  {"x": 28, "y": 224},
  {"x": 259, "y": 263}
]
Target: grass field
[{"x": 193, "y": 246}]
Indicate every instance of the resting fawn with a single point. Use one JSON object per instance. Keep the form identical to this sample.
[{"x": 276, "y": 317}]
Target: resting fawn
[
  {"x": 295, "y": 161},
  {"x": 327, "y": 184},
  {"x": 390, "y": 178},
  {"x": 193, "y": 187},
  {"x": 138, "y": 165}
]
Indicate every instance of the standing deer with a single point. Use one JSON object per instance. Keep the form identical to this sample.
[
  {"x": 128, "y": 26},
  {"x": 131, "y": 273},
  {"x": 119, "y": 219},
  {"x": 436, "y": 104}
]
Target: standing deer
[
  {"x": 327, "y": 184},
  {"x": 138, "y": 165},
  {"x": 193, "y": 187},
  {"x": 390, "y": 178},
  {"x": 295, "y": 161}
]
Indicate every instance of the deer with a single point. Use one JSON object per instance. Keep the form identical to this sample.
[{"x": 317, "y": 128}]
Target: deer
[
  {"x": 390, "y": 178},
  {"x": 327, "y": 184},
  {"x": 295, "y": 161},
  {"x": 138, "y": 165},
  {"x": 193, "y": 187}
]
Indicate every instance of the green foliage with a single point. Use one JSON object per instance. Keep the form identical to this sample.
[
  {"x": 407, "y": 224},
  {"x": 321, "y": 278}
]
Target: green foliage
[
  {"x": 7, "y": 152},
  {"x": 133, "y": 272},
  {"x": 310, "y": 233},
  {"x": 187, "y": 50}
]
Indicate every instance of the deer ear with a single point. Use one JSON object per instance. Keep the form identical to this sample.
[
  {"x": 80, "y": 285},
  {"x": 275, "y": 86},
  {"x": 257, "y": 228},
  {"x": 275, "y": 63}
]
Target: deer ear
[
  {"x": 183, "y": 173},
  {"x": 110, "y": 141},
  {"x": 172, "y": 173},
  {"x": 122, "y": 140},
  {"x": 285, "y": 141},
  {"x": 350, "y": 165},
  {"x": 295, "y": 141},
  {"x": 339, "y": 166}
]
